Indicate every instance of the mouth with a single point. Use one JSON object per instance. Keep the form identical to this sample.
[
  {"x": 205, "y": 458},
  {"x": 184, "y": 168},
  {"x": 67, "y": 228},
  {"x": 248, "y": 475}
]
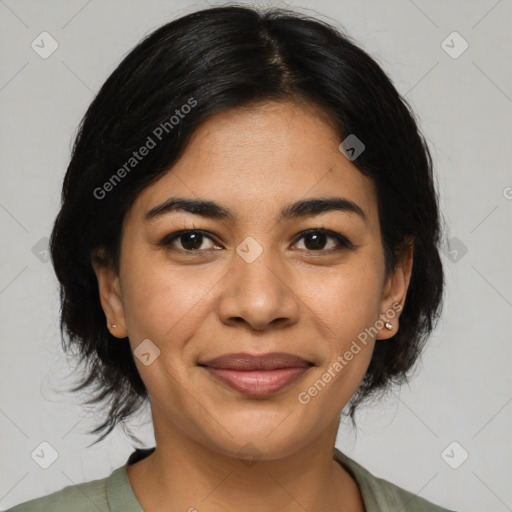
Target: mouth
[{"x": 257, "y": 375}]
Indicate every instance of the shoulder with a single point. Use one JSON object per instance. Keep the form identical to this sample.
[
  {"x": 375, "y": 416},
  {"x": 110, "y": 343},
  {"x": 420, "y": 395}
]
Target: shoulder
[
  {"x": 381, "y": 495},
  {"x": 87, "y": 496}
]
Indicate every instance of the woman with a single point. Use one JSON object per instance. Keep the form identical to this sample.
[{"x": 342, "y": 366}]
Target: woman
[{"x": 249, "y": 239}]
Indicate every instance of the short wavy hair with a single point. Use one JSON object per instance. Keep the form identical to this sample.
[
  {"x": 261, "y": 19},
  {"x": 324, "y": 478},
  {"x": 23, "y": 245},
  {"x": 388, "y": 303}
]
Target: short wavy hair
[{"x": 224, "y": 58}]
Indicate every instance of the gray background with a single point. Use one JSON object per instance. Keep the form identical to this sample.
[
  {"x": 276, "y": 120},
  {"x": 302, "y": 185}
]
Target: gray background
[{"x": 462, "y": 389}]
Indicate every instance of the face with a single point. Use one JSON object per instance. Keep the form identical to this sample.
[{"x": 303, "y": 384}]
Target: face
[{"x": 252, "y": 274}]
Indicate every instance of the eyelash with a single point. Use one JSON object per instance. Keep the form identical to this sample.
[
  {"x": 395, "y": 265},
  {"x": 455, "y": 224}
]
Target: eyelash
[{"x": 342, "y": 242}]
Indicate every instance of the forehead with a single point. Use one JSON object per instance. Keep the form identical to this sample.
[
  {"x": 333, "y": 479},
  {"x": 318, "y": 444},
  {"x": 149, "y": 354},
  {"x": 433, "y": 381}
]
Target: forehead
[{"x": 254, "y": 160}]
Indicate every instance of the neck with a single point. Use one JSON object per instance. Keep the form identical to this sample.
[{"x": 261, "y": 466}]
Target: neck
[{"x": 185, "y": 475}]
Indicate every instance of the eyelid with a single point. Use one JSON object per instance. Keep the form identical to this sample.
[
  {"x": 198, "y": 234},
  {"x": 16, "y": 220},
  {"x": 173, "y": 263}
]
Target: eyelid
[
  {"x": 167, "y": 239},
  {"x": 342, "y": 241}
]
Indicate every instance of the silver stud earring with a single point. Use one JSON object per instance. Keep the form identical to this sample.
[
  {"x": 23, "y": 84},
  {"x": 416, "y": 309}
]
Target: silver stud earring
[
  {"x": 389, "y": 325},
  {"x": 113, "y": 326}
]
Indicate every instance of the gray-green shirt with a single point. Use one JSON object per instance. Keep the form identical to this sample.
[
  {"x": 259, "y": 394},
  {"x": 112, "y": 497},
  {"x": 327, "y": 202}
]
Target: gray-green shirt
[{"x": 114, "y": 494}]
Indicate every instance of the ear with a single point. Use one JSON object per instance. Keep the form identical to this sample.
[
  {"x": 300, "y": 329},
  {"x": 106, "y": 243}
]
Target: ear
[
  {"x": 110, "y": 293},
  {"x": 395, "y": 290}
]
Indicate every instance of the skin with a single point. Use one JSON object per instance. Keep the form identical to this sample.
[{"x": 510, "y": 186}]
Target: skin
[{"x": 292, "y": 298}]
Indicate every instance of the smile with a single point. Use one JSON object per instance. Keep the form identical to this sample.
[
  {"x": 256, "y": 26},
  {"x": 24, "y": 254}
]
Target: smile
[{"x": 257, "y": 375}]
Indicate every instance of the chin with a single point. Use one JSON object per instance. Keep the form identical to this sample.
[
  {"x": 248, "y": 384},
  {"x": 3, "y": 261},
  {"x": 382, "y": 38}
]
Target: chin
[{"x": 265, "y": 443}]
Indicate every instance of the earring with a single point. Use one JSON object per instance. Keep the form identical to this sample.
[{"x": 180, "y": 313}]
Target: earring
[
  {"x": 389, "y": 325},
  {"x": 113, "y": 326}
]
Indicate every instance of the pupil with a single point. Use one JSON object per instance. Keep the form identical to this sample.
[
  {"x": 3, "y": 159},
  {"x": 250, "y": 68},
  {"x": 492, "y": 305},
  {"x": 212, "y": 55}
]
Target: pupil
[
  {"x": 192, "y": 240},
  {"x": 318, "y": 241}
]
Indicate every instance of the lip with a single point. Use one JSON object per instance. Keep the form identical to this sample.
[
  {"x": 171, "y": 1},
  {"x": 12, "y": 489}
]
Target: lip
[
  {"x": 257, "y": 383},
  {"x": 257, "y": 375},
  {"x": 241, "y": 361}
]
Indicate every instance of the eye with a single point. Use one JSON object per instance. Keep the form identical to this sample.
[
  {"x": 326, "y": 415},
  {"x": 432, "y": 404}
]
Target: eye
[
  {"x": 315, "y": 240},
  {"x": 191, "y": 240}
]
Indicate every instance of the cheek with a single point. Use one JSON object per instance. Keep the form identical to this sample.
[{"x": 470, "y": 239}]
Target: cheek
[
  {"x": 346, "y": 300},
  {"x": 163, "y": 303},
  {"x": 345, "y": 305},
  {"x": 166, "y": 306}
]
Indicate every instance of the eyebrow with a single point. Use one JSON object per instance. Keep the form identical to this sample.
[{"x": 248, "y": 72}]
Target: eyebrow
[{"x": 211, "y": 210}]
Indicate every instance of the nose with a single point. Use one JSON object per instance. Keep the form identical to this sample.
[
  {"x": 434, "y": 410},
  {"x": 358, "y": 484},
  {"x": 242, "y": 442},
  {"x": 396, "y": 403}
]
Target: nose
[{"x": 259, "y": 294}]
